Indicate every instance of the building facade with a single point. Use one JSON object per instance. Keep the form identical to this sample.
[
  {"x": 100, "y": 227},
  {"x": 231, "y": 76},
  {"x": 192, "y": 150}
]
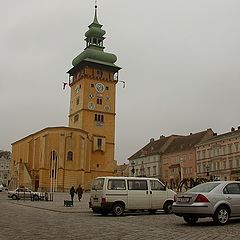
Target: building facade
[
  {"x": 4, "y": 168},
  {"x": 61, "y": 157},
  {"x": 147, "y": 161},
  {"x": 219, "y": 157},
  {"x": 179, "y": 159}
]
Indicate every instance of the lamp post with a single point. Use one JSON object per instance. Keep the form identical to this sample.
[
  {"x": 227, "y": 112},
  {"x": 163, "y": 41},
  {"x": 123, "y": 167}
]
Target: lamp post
[
  {"x": 181, "y": 169},
  {"x": 133, "y": 169}
]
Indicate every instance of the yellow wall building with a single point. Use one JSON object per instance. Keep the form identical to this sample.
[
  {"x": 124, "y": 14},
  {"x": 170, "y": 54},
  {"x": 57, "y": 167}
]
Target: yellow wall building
[{"x": 61, "y": 157}]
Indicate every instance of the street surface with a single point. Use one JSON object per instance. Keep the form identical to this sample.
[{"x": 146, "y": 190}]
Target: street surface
[{"x": 51, "y": 220}]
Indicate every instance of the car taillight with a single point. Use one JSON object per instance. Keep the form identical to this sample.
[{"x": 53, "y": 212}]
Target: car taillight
[
  {"x": 201, "y": 198},
  {"x": 103, "y": 200}
]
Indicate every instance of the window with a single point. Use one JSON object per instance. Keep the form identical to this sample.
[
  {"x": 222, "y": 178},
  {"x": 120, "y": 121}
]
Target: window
[
  {"x": 205, "y": 187},
  {"x": 99, "y": 101},
  {"x": 116, "y": 184},
  {"x": 230, "y": 161},
  {"x": 198, "y": 155},
  {"x": 92, "y": 85},
  {"x": 237, "y": 158},
  {"x": 99, "y": 143},
  {"x": 70, "y": 156},
  {"x": 224, "y": 164},
  {"x": 98, "y": 118},
  {"x": 76, "y": 118},
  {"x": 230, "y": 148},
  {"x": 232, "y": 188},
  {"x": 156, "y": 185},
  {"x": 77, "y": 101},
  {"x": 137, "y": 185},
  {"x": 98, "y": 184},
  {"x": 224, "y": 150},
  {"x": 107, "y": 87},
  {"x": 204, "y": 154},
  {"x": 154, "y": 170},
  {"x": 148, "y": 171},
  {"x": 236, "y": 147}
]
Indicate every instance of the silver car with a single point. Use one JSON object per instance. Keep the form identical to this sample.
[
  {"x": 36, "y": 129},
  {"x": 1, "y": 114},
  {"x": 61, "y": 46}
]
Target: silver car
[
  {"x": 219, "y": 200},
  {"x": 24, "y": 193}
]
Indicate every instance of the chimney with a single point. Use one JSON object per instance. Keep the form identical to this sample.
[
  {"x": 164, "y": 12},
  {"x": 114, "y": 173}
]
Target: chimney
[
  {"x": 232, "y": 129},
  {"x": 214, "y": 134},
  {"x": 152, "y": 140},
  {"x": 190, "y": 134},
  {"x": 162, "y": 136}
]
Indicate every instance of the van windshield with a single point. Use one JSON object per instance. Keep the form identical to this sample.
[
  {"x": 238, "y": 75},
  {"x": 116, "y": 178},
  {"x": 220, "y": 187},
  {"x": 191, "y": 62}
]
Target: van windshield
[{"x": 98, "y": 184}]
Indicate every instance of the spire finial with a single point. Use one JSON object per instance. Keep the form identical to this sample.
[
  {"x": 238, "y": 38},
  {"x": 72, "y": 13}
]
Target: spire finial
[{"x": 95, "y": 15}]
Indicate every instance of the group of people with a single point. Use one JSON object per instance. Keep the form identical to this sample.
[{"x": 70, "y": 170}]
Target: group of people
[{"x": 78, "y": 191}]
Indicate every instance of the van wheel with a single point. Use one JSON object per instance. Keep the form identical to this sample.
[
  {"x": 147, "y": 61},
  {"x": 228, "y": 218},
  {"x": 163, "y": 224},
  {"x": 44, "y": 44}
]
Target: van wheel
[
  {"x": 118, "y": 209},
  {"x": 168, "y": 207}
]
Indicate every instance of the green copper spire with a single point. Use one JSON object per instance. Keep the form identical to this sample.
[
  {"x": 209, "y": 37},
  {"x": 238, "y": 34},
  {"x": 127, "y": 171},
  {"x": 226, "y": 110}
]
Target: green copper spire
[{"x": 94, "y": 51}]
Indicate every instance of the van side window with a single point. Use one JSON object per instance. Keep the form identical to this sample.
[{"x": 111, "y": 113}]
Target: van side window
[
  {"x": 116, "y": 184},
  {"x": 156, "y": 185},
  {"x": 137, "y": 185}
]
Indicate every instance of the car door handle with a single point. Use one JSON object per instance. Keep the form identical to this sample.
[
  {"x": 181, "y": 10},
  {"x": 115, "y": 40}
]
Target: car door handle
[
  {"x": 228, "y": 198},
  {"x": 146, "y": 192},
  {"x": 150, "y": 192}
]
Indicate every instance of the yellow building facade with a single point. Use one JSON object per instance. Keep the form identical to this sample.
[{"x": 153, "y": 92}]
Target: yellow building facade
[{"x": 57, "y": 158}]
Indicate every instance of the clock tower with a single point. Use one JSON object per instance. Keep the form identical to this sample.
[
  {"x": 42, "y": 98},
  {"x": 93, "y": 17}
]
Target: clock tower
[{"x": 93, "y": 79}]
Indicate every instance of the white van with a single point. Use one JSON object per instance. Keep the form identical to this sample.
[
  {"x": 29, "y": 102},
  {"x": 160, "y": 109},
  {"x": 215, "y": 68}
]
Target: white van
[{"x": 117, "y": 194}]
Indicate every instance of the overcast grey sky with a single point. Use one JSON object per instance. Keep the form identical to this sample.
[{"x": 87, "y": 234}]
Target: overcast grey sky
[{"x": 180, "y": 60}]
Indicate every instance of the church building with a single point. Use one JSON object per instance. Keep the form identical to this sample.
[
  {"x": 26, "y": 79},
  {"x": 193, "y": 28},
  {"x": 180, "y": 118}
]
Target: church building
[{"x": 56, "y": 158}]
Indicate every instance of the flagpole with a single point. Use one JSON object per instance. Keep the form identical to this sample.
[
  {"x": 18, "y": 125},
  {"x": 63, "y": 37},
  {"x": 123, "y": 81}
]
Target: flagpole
[
  {"x": 56, "y": 174},
  {"x": 51, "y": 174}
]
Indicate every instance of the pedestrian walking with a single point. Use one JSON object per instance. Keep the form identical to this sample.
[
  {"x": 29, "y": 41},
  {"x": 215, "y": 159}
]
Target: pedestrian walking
[
  {"x": 79, "y": 192},
  {"x": 72, "y": 192}
]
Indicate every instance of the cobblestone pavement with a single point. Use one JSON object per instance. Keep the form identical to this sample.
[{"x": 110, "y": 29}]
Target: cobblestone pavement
[{"x": 50, "y": 220}]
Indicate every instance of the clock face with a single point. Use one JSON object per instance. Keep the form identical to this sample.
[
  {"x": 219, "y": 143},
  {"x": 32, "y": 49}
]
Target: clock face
[
  {"x": 107, "y": 108},
  {"x": 91, "y": 106},
  {"x": 100, "y": 87}
]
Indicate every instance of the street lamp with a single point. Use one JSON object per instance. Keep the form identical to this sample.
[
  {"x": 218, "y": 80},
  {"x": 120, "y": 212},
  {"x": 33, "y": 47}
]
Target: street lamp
[{"x": 133, "y": 169}]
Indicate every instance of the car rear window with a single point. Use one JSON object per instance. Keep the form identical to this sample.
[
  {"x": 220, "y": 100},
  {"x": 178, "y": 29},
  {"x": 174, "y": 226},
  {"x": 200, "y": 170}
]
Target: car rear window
[
  {"x": 98, "y": 184},
  {"x": 204, "y": 187}
]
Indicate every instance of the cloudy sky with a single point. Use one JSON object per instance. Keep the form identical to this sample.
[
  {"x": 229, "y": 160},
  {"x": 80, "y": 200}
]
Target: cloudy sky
[{"x": 180, "y": 60}]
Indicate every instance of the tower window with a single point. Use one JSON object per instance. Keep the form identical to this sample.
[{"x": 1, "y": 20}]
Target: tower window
[
  {"x": 98, "y": 118},
  {"x": 77, "y": 101},
  {"x": 107, "y": 88},
  {"x": 92, "y": 85},
  {"x": 94, "y": 41},
  {"x": 70, "y": 156},
  {"x": 99, "y": 101}
]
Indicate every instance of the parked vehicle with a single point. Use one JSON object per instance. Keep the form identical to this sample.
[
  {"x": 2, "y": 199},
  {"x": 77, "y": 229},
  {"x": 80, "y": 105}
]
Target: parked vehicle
[
  {"x": 24, "y": 193},
  {"x": 219, "y": 200},
  {"x": 117, "y": 194},
  {"x": 1, "y": 188}
]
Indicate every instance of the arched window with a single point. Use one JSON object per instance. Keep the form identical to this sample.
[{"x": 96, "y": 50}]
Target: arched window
[{"x": 70, "y": 156}]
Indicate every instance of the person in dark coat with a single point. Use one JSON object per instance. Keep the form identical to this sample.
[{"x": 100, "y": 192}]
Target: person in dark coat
[
  {"x": 72, "y": 192},
  {"x": 79, "y": 192}
]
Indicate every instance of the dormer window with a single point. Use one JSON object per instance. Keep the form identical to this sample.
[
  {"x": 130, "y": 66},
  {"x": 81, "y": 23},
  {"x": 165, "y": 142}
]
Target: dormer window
[{"x": 94, "y": 41}]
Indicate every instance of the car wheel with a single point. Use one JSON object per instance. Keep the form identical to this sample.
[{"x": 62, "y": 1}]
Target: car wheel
[
  {"x": 35, "y": 197},
  {"x": 118, "y": 209},
  {"x": 14, "y": 197},
  {"x": 221, "y": 215},
  {"x": 191, "y": 220},
  {"x": 168, "y": 207}
]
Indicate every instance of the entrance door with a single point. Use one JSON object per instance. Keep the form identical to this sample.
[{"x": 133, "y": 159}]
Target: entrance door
[{"x": 138, "y": 194}]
